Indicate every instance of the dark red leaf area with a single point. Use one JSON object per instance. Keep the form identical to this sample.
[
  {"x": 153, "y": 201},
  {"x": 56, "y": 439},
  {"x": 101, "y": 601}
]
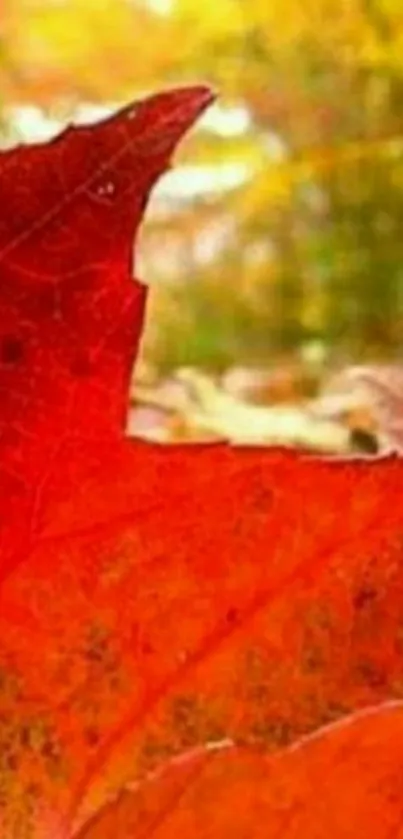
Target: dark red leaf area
[
  {"x": 70, "y": 315},
  {"x": 344, "y": 783},
  {"x": 154, "y": 600}
]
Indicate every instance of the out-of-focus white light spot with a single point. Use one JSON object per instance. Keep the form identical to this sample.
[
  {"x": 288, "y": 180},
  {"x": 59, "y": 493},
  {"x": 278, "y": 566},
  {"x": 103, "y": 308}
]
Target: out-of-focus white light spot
[
  {"x": 195, "y": 181},
  {"x": 161, "y": 7},
  {"x": 313, "y": 352},
  {"x": 32, "y": 125},
  {"x": 88, "y": 114},
  {"x": 227, "y": 122},
  {"x": 275, "y": 147}
]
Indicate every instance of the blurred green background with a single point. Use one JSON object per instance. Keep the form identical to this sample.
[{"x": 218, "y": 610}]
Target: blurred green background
[{"x": 279, "y": 234}]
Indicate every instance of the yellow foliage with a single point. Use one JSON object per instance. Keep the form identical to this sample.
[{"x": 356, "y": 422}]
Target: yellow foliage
[
  {"x": 101, "y": 48},
  {"x": 224, "y": 18}
]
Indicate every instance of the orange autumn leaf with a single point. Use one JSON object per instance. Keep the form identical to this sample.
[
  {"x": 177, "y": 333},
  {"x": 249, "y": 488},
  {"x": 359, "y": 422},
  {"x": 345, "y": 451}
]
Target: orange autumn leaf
[
  {"x": 154, "y": 600},
  {"x": 346, "y": 775}
]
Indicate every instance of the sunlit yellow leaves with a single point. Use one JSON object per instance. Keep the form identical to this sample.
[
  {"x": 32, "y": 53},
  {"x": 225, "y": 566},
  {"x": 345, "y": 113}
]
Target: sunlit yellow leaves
[
  {"x": 97, "y": 49},
  {"x": 224, "y": 18},
  {"x": 106, "y": 48},
  {"x": 273, "y": 183},
  {"x": 271, "y": 188}
]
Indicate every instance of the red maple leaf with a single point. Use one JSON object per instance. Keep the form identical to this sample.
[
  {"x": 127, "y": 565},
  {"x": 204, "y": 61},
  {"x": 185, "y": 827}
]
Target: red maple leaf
[{"x": 181, "y": 628}]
